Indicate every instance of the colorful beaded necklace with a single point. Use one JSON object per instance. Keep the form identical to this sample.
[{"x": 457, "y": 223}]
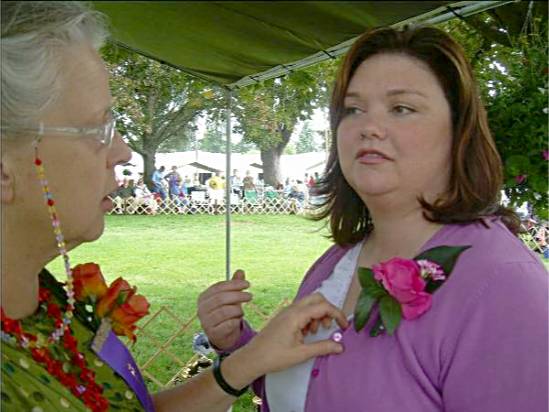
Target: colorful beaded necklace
[{"x": 81, "y": 384}]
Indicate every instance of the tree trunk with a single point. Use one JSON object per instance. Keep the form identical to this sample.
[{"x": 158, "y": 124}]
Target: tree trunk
[
  {"x": 148, "y": 167},
  {"x": 271, "y": 159},
  {"x": 271, "y": 166}
]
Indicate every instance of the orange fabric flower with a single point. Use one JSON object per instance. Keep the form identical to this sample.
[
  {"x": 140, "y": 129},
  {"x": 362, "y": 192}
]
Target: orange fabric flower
[
  {"x": 88, "y": 281},
  {"x": 116, "y": 295},
  {"x": 124, "y": 316}
]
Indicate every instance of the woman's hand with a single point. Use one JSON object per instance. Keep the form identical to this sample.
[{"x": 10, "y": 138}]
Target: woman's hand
[
  {"x": 220, "y": 310},
  {"x": 280, "y": 344}
]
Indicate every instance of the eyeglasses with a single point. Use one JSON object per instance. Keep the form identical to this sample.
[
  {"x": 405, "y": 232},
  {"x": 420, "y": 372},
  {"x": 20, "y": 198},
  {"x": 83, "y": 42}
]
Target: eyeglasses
[{"x": 104, "y": 134}]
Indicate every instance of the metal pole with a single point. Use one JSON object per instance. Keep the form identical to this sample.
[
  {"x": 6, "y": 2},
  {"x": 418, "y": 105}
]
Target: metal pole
[{"x": 228, "y": 189}]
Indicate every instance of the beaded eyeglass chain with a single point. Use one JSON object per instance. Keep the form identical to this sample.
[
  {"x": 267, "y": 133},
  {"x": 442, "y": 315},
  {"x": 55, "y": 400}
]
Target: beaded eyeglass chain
[{"x": 50, "y": 203}]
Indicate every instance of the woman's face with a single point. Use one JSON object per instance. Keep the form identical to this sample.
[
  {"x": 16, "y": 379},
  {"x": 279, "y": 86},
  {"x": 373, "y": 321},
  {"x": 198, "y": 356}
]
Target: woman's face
[
  {"x": 79, "y": 169},
  {"x": 396, "y": 135}
]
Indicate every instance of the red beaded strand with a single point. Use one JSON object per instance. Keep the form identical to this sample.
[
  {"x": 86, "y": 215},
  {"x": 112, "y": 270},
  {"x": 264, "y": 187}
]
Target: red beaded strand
[{"x": 81, "y": 383}]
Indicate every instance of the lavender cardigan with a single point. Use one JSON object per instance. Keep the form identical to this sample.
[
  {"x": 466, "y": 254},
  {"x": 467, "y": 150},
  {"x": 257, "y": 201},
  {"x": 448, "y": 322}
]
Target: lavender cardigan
[{"x": 482, "y": 347}]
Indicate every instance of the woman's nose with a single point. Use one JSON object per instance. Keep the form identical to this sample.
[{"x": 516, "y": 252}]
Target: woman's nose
[
  {"x": 120, "y": 152},
  {"x": 372, "y": 128}
]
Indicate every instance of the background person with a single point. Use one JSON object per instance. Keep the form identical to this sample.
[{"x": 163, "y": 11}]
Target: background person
[
  {"x": 144, "y": 199},
  {"x": 174, "y": 180},
  {"x": 216, "y": 190},
  {"x": 158, "y": 182},
  {"x": 413, "y": 166}
]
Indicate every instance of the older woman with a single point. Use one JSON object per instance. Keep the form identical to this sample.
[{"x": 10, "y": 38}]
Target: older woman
[
  {"x": 59, "y": 151},
  {"x": 413, "y": 174}
]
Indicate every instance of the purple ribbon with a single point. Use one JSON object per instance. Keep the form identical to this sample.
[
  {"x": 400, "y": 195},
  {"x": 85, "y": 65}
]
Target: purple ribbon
[{"x": 115, "y": 354}]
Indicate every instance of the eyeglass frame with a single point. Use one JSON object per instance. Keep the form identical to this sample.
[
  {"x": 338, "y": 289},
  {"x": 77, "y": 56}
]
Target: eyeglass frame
[{"x": 104, "y": 134}]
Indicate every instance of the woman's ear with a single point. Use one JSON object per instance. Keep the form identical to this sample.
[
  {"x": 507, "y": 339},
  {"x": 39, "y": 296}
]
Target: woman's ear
[{"x": 7, "y": 183}]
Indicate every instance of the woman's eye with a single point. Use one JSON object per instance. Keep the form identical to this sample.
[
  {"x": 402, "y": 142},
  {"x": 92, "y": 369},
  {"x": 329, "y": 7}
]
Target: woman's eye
[
  {"x": 351, "y": 110},
  {"x": 400, "y": 109}
]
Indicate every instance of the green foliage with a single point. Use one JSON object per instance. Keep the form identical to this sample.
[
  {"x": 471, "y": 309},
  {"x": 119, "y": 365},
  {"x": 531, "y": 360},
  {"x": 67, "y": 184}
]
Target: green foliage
[
  {"x": 518, "y": 119},
  {"x": 290, "y": 149},
  {"x": 306, "y": 141},
  {"x": 214, "y": 140},
  {"x": 512, "y": 75},
  {"x": 268, "y": 112},
  {"x": 156, "y": 104},
  {"x": 363, "y": 309},
  {"x": 390, "y": 312},
  {"x": 266, "y": 109}
]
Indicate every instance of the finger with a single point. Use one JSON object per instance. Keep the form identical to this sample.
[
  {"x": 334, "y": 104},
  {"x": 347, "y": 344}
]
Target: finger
[
  {"x": 239, "y": 274},
  {"x": 326, "y": 322},
  {"x": 223, "y": 314},
  {"x": 318, "y": 311},
  {"x": 225, "y": 286},
  {"x": 320, "y": 348},
  {"x": 223, "y": 299},
  {"x": 227, "y": 328},
  {"x": 313, "y": 326}
]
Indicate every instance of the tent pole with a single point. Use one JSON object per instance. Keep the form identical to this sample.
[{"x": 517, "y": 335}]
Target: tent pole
[{"x": 228, "y": 188}]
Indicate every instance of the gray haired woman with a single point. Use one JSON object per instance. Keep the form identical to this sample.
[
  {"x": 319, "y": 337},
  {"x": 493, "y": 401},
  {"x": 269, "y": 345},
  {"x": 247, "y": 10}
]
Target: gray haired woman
[{"x": 59, "y": 150}]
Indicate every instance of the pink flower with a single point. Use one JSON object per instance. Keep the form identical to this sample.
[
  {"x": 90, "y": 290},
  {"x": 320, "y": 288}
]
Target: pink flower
[
  {"x": 431, "y": 270},
  {"x": 520, "y": 179},
  {"x": 416, "y": 308},
  {"x": 546, "y": 154},
  {"x": 402, "y": 279}
]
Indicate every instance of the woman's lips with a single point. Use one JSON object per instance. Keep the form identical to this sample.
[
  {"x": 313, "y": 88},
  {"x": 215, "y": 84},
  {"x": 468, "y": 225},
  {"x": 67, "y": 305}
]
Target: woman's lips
[{"x": 371, "y": 158}]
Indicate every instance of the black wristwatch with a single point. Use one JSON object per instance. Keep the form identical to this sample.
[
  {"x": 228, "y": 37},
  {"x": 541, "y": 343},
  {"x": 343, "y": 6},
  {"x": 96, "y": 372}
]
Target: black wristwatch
[{"x": 222, "y": 382}]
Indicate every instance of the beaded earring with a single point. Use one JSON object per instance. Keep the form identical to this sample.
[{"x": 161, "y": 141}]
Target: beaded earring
[{"x": 50, "y": 203}]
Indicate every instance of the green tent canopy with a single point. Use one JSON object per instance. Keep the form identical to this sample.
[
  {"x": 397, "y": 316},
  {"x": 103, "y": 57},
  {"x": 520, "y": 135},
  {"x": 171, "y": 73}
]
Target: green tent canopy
[{"x": 234, "y": 44}]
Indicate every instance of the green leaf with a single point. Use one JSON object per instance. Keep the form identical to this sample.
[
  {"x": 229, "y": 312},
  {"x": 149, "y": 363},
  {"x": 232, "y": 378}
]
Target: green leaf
[
  {"x": 445, "y": 256},
  {"x": 391, "y": 313},
  {"x": 365, "y": 276},
  {"x": 517, "y": 164},
  {"x": 369, "y": 284},
  {"x": 377, "y": 328},
  {"x": 363, "y": 309},
  {"x": 433, "y": 285}
]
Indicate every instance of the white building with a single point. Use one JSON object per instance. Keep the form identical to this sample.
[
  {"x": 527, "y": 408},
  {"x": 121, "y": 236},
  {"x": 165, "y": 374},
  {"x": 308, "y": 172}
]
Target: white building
[{"x": 205, "y": 164}]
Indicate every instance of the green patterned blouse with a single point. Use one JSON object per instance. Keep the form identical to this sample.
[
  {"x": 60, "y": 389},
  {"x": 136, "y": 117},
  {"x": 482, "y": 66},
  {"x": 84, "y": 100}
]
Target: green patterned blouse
[{"x": 27, "y": 386}]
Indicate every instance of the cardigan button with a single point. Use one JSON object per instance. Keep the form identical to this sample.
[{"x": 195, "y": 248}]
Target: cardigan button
[
  {"x": 315, "y": 372},
  {"x": 337, "y": 337}
]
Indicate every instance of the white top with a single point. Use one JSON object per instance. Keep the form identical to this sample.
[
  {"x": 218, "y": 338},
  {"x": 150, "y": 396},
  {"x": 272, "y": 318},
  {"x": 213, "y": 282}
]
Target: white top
[{"x": 287, "y": 390}]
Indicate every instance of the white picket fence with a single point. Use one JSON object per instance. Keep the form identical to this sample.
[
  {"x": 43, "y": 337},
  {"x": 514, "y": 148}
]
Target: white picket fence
[
  {"x": 535, "y": 234},
  {"x": 270, "y": 203}
]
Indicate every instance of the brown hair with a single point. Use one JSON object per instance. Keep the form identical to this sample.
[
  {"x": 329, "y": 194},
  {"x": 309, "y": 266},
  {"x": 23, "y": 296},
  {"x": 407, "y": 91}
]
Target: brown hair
[{"x": 476, "y": 173}]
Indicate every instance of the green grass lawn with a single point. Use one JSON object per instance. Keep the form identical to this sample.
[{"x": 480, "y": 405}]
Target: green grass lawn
[{"x": 171, "y": 259}]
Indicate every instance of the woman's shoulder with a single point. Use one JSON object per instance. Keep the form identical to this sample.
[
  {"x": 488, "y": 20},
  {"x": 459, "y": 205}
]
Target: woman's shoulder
[
  {"x": 492, "y": 243},
  {"x": 497, "y": 271}
]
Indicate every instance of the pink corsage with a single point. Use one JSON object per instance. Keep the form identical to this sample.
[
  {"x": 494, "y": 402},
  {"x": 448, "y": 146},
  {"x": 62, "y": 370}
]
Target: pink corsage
[{"x": 402, "y": 287}]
